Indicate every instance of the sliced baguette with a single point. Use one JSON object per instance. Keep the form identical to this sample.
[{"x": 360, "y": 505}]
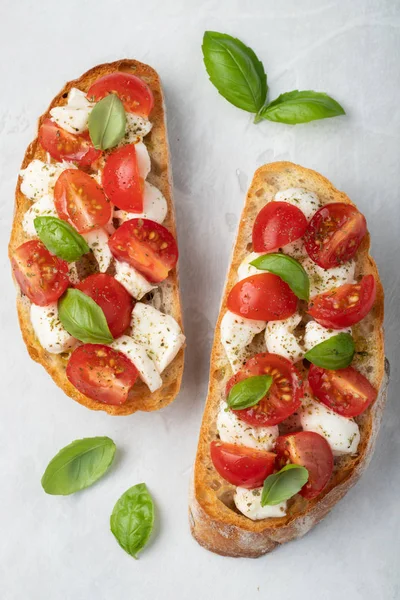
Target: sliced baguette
[
  {"x": 169, "y": 299},
  {"x": 215, "y": 522}
]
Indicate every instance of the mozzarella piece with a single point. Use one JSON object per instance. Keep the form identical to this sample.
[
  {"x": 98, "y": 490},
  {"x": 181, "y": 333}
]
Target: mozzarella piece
[
  {"x": 138, "y": 356},
  {"x": 78, "y": 99},
  {"x": 237, "y": 333},
  {"x": 143, "y": 159},
  {"x": 296, "y": 249},
  {"x": 73, "y": 116},
  {"x": 322, "y": 280},
  {"x": 248, "y": 502},
  {"x": 97, "y": 241},
  {"x": 316, "y": 334},
  {"x": 132, "y": 280},
  {"x": 246, "y": 269},
  {"x": 39, "y": 178},
  {"x": 307, "y": 202},
  {"x": 155, "y": 206},
  {"x": 280, "y": 339},
  {"x": 342, "y": 434},
  {"x": 42, "y": 208},
  {"x": 49, "y": 330},
  {"x": 158, "y": 333},
  {"x": 136, "y": 126},
  {"x": 233, "y": 430}
]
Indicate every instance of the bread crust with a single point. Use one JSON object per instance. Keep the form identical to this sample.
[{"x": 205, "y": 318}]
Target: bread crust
[
  {"x": 156, "y": 141},
  {"x": 214, "y": 521}
]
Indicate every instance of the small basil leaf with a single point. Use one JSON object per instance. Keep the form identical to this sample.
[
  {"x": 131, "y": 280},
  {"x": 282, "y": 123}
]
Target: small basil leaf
[
  {"x": 288, "y": 269},
  {"x": 78, "y": 465},
  {"x": 83, "y": 318},
  {"x": 249, "y": 392},
  {"x": 301, "y": 107},
  {"x": 132, "y": 519},
  {"x": 235, "y": 71},
  {"x": 283, "y": 485},
  {"x": 60, "y": 238},
  {"x": 107, "y": 122},
  {"x": 335, "y": 353}
]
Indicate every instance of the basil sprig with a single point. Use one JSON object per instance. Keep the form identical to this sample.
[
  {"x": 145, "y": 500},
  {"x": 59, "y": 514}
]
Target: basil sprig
[
  {"x": 107, "y": 122},
  {"x": 239, "y": 76},
  {"x": 78, "y": 465},
  {"x": 132, "y": 519},
  {"x": 288, "y": 269},
  {"x": 60, "y": 238},
  {"x": 283, "y": 485},
  {"x": 83, "y": 318},
  {"x": 335, "y": 353},
  {"x": 248, "y": 392}
]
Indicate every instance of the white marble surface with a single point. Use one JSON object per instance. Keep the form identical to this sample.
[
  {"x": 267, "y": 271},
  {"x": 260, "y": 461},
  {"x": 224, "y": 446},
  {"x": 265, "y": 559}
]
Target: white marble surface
[{"x": 61, "y": 548}]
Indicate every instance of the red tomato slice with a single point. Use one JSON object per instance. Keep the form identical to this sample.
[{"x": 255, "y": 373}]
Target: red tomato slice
[
  {"x": 112, "y": 298},
  {"x": 283, "y": 397},
  {"x": 41, "y": 276},
  {"x": 266, "y": 297},
  {"x": 62, "y": 145},
  {"x": 121, "y": 179},
  {"x": 345, "y": 305},
  {"x": 276, "y": 225},
  {"x": 240, "y": 465},
  {"x": 345, "y": 391},
  {"x": 135, "y": 95},
  {"x": 79, "y": 199},
  {"x": 334, "y": 234},
  {"x": 101, "y": 373},
  {"x": 310, "y": 450},
  {"x": 147, "y": 246}
]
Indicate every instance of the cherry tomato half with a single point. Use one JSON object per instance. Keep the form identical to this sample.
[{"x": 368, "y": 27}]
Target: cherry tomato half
[
  {"x": 240, "y": 465},
  {"x": 283, "y": 397},
  {"x": 311, "y": 451},
  {"x": 276, "y": 225},
  {"x": 121, "y": 179},
  {"x": 135, "y": 95},
  {"x": 101, "y": 373},
  {"x": 41, "y": 276},
  {"x": 62, "y": 145}
]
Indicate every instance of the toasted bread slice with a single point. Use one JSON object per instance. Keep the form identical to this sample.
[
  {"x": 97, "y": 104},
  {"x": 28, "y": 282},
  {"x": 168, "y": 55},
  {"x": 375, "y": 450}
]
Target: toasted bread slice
[
  {"x": 215, "y": 522},
  {"x": 168, "y": 297}
]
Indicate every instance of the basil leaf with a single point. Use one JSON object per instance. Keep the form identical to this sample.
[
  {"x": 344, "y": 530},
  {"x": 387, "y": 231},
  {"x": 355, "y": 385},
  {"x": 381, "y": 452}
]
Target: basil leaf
[
  {"x": 60, "y": 238},
  {"x": 107, "y": 122},
  {"x": 132, "y": 519},
  {"x": 288, "y": 269},
  {"x": 301, "y": 107},
  {"x": 235, "y": 71},
  {"x": 83, "y": 318},
  {"x": 283, "y": 485},
  {"x": 249, "y": 392},
  {"x": 78, "y": 465},
  {"x": 335, "y": 353}
]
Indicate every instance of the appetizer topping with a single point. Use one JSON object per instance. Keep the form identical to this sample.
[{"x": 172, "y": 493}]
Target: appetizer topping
[
  {"x": 132, "y": 280},
  {"x": 39, "y": 178},
  {"x": 248, "y": 502},
  {"x": 135, "y": 95},
  {"x": 62, "y": 145},
  {"x": 49, "y": 330},
  {"x": 138, "y": 356},
  {"x": 322, "y": 280},
  {"x": 277, "y": 224},
  {"x": 242, "y": 466},
  {"x": 97, "y": 240},
  {"x": 237, "y": 333},
  {"x": 280, "y": 339},
  {"x": 233, "y": 430},
  {"x": 44, "y": 207},
  {"x": 289, "y": 270},
  {"x": 73, "y": 116},
  {"x": 307, "y": 202},
  {"x": 121, "y": 179},
  {"x": 155, "y": 206}
]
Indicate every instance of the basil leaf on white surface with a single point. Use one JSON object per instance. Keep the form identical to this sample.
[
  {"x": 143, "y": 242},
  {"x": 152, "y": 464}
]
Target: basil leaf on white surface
[
  {"x": 132, "y": 519},
  {"x": 283, "y": 485},
  {"x": 297, "y": 107},
  {"x": 78, "y": 465},
  {"x": 288, "y": 269},
  {"x": 249, "y": 392},
  {"x": 60, "y": 238},
  {"x": 335, "y": 353},
  {"x": 107, "y": 122},
  {"x": 83, "y": 318}
]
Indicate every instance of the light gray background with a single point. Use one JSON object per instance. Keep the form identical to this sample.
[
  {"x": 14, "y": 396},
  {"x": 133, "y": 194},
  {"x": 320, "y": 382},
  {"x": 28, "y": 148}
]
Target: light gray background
[{"x": 61, "y": 548}]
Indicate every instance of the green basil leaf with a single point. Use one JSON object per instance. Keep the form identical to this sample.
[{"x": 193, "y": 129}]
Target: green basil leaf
[
  {"x": 249, "y": 392},
  {"x": 335, "y": 353},
  {"x": 301, "y": 107},
  {"x": 83, "y": 318},
  {"x": 132, "y": 519},
  {"x": 288, "y": 269},
  {"x": 235, "y": 71},
  {"x": 283, "y": 485},
  {"x": 107, "y": 122},
  {"x": 78, "y": 465},
  {"x": 60, "y": 238}
]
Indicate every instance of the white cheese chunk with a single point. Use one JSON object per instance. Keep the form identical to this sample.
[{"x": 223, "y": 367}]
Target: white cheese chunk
[
  {"x": 233, "y": 430},
  {"x": 322, "y": 280},
  {"x": 143, "y": 159},
  {"x": 246, "y": 269},
  {"x": 136, "y": 126},
  {"x": 342, "y": 434},
  {"x": 42, "y": 208},
  {"x": 138, "y": 356},
  {"x": 49, "y": 330},
  {"x": 132, "y": 280},
  {"x": 158, "y": 333},
  {"x": 296, "y": 249},
  {"x": 248, "y": 502},
  {"x": 155, "y": 206},
  {"x": 73, "y": 116},
  {"x": 78, "y": 99},
  {"x": 316, "y": 334},
  {"x": 307, "y": 202},
  {"x": 237, "y": 333},
  {"x": 97, "y": 241},
  {"x": 39, "y": 178},
  {"x": 280, "y": 339}
]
